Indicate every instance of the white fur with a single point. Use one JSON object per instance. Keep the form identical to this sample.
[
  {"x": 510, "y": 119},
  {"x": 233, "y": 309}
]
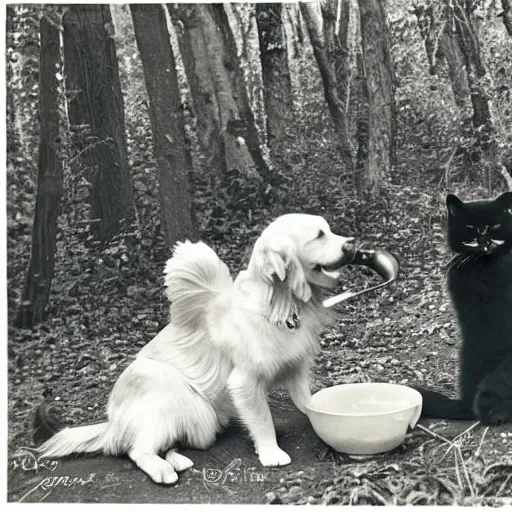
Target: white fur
[{"x": 228, "y": 343}]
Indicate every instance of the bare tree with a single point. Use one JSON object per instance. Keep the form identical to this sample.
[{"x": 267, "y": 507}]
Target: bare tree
[
  {"x": 96, "y": 114},
  {"x": 167, "y": 121},
  {"x": 378, "y": 68},
  {"x": 275, "y": 70},
  {"x": 49, "y": 184}
]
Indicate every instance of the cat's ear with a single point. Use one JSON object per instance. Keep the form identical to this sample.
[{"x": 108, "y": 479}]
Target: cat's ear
[
  {"x": 454, "y": 205},
  {"x": 505, "y": 200}
]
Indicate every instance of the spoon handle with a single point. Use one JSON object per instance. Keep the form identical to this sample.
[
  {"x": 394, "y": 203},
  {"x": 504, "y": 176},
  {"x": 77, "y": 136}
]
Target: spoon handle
[
  {"x": 327, "y": 303},
  {"x": 331, "y": 301}
]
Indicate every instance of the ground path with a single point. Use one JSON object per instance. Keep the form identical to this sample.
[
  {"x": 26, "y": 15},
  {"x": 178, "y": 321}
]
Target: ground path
[{"x": 228, "y": 473}]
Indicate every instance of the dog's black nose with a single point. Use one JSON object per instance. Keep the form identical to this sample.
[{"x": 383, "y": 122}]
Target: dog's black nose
[{"x": 349, "y": 247}]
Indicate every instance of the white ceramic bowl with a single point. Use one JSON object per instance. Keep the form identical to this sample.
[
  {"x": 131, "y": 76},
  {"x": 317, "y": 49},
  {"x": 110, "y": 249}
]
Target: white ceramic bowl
[{"x": 364, "y": 419}]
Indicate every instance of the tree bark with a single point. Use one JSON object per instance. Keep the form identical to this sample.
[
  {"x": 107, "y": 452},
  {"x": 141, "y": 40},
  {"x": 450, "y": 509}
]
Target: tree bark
[
  {"x": 239, "y": 130},
  {"x": 362, "y": 127},
  {"x": 455, "y": 62},
  {"x": 96, "y": 114},
  {"x": 293, "y": 26},
  {"x": 378, "y": 67},
  {"x": 507, "y": 15},
  {"x": 276, "y": 73},
  {"x": 213, "y": 70},
  {"x": 24, "y": 75},
  {"x": 40, "y": 272},
  {"x": 12, "y": 134},
  {"x": 336, "y": 15},
  {"x": 193, "y": 49},
  {"x": 167, "y": 121},
  {"x": 314, "y": 23},
  {"x": 442, "y": 43},
  {"x": 298, "y": 24},
  {"x": 476, "y": 72}
]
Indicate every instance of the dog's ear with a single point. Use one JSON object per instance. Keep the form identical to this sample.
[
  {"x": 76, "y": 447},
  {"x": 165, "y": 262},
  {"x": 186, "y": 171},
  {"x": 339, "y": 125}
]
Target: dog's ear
[{"x": 275, "y": 256}]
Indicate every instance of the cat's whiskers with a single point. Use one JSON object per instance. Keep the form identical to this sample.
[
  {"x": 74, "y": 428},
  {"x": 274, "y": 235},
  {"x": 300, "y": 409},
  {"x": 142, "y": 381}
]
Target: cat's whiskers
[
  {"x": 453, "y": 262},
  {"x": 465, "y": 258}
]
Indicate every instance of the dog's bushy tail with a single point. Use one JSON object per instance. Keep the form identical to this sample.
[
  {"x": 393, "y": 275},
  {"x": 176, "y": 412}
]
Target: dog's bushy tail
[
  {"x": 64, "y": 441},
  {"x": 88, "y": 438},
  {"x": 194, "y": 276}
]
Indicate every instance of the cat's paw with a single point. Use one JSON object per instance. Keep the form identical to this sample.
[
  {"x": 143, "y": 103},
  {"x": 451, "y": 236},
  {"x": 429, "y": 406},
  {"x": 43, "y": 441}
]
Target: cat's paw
[{"x": 492, "y": 409}]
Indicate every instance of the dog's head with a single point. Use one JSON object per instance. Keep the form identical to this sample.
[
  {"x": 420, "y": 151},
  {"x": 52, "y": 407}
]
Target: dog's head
[{"x": 300, "y": 250}]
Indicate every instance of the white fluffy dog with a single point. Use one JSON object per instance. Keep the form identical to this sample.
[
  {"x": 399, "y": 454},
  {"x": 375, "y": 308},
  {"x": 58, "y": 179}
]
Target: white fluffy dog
[{"x": 227, "y": 344}]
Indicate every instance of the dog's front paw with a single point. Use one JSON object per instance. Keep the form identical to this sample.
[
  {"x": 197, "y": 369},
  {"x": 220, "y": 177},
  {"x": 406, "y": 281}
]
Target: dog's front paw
[{"x": 274, "y": 457}]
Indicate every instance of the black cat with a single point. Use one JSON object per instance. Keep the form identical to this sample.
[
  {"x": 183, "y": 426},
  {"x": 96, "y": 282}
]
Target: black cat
[{"x": 480, "y": 286}]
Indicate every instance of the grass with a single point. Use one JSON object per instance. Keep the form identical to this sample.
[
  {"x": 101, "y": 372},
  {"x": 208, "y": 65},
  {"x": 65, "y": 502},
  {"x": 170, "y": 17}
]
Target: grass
[{"x": 431, "y": 470}]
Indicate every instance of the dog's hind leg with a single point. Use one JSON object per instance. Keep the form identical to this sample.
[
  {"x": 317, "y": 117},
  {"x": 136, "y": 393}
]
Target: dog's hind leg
[
  {"x": 149, "y": 437},
  {"x": 177, "y": 461},
  {"x": 157, "y": 468}
]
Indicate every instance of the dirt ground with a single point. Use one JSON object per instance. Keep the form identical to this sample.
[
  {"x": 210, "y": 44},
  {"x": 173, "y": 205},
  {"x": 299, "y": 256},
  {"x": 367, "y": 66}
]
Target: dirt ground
[{"x": 230, "y": 471}]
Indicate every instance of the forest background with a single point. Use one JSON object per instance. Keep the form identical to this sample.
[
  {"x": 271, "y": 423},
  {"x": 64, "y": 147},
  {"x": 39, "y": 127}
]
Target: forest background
[{"x": 131, "y": 127}]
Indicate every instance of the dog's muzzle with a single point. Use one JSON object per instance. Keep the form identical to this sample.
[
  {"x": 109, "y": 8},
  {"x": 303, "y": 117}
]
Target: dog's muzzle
[{"x": 348, "y": 250}]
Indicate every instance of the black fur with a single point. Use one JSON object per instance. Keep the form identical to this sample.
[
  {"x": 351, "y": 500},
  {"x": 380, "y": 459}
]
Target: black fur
[
  {"x": 45, "y": 422},
  {"x": 480, "y": 286}
]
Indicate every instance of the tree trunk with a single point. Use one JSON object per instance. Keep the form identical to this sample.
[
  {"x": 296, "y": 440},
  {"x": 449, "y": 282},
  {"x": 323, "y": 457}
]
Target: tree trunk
[
  {"x": 96, "y": 114},
  {"x": 425, "y": 18},
  {"x": 507, "y": 15},
  {"x": 167, "y": 121},
  {"x": 193, "y": 51},
  {"x": 442, "y": 43},
  {"x": 314, "y": 23},
  {"x": 23, "y": 19},
  {"x": 381, "y": 101},
  {"x": 336, "y": 15},
  {"x": 49, "y": 185},
  {"x": 476, "y": 72},
  {"x": 276, "y": 73},
  {"x": 213, "y": 70},
  {"x": 12, "y": 133},
  {"x": 455, "y": 62},
  {"x": 291, "y": 19},
  {"x": 362, "y": 127},
  {"x": 239, "y": 131}
]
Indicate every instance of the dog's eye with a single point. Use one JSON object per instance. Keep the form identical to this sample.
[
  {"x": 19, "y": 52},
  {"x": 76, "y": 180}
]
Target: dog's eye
[{"x": 320, "y": 234}]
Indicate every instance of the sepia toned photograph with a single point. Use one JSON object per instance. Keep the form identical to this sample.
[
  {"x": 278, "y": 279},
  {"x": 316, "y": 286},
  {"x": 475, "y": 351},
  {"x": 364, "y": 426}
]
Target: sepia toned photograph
[{"x": 259, "y": 253}]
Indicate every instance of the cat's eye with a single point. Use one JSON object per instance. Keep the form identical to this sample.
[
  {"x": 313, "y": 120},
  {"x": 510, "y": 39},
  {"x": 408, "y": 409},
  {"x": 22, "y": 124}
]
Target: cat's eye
[
  {"x": 496, "y": 226},
  {"x": 470, "y": 226}
]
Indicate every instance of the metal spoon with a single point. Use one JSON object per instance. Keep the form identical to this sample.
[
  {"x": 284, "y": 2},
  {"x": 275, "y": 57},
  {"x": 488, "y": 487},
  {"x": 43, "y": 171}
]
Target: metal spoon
[{"x": 384, "y": 263}]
